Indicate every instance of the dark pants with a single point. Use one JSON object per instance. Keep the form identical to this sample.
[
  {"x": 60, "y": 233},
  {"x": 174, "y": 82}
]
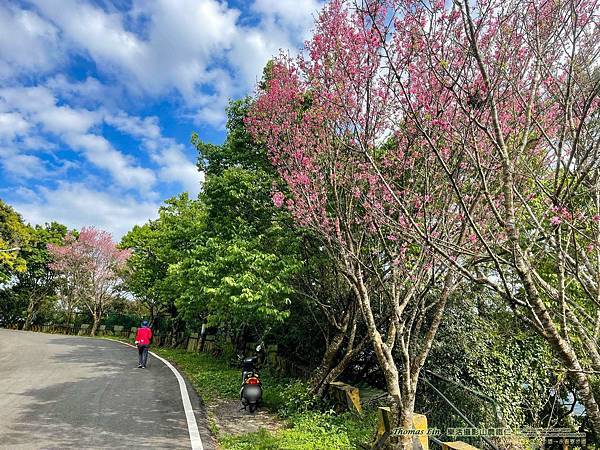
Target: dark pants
[{"x": 143, "y": 353}]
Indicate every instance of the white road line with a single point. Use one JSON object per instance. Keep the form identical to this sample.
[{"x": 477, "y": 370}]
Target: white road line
[{"x": 187, "y": 404}]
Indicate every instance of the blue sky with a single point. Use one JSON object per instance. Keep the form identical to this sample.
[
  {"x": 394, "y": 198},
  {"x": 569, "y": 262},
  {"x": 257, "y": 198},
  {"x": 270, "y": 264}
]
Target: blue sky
[{"x": 98, "y": 99}]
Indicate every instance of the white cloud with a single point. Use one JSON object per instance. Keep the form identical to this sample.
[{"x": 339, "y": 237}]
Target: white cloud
[
  {"x": 140, "y": 128},
  {"x": 197, "y": 48},
  {"x": 64, "y": 119},
  {"x": 27, "y": 99},
  {"x": 103, "y": 155},
  {"x": 174, "y": 165},
  {"x": 87, "y": 93},
  {"x": 176, "y": 168},
  {"x": 27, "y": 42},
  {"x": 175, "y": 52},
  {"x": 73, "y": 127},
  {"x": 294, "y": 14},
  {"x": 12, "y": 124},
  {"x": 76, "y": 205},
  {"x": 21, "y": 165},
  {"x": 38, "y": 104},
  {"x": 195, "y": 54}
]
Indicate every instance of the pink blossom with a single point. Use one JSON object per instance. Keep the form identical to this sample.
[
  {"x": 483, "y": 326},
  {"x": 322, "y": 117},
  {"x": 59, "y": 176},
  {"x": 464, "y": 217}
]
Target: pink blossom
[
  {"x": 278, "y": 199},
  {"x": 555, "y": 220},
  {"x": 92, "y": 263}
]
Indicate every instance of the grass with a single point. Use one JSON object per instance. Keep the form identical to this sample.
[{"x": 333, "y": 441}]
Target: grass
[
  {"x": 212, "y": 378},
  {"x": 310, "y": 430},
  {"x": 310, "y": 426}
]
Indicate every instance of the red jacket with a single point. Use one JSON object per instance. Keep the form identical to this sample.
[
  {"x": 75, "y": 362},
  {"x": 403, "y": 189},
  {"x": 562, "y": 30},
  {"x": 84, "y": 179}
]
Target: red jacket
[{"x": 143, "y": 336}]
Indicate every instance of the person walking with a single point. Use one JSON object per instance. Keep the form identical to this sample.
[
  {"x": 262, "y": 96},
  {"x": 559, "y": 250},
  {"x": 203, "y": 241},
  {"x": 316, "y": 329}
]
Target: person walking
[{"x": 142, "y": 340}]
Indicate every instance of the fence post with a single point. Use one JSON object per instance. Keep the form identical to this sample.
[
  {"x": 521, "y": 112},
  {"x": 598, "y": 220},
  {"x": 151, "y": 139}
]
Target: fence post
[
  {"x": 192, "y": 344},
  {"x": 384, "y": 427},
  {"x": 346, "y": 396},
  {"x": 202, "y": 338}
]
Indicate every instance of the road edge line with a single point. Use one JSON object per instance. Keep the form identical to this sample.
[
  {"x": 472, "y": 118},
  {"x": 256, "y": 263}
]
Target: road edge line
[{"x": 185, "y": 397}]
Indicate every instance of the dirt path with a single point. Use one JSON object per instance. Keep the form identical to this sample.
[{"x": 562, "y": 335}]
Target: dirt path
[{"x": 229, "y": 419}]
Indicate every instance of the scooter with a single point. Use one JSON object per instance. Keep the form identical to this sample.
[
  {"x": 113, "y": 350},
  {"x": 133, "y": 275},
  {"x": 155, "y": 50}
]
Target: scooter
[{"x": 251, "y": 391}]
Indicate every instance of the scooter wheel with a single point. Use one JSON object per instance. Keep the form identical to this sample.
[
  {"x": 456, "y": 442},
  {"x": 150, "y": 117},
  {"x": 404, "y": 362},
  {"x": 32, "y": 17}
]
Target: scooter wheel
[{"x": 252, "y": 408}]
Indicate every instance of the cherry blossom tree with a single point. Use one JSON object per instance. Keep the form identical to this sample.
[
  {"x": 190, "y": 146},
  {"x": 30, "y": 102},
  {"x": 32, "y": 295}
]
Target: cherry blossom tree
[
  {"x": 325, "y": 120},
  {"x": 462, "y": 134},
  {"x": 90, "y": 266},
  {"x": 510, "y": 90}
]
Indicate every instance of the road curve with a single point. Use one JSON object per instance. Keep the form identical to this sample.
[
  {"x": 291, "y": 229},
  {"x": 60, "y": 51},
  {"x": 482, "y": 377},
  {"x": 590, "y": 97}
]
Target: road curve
[{"x": 76, "y": 392}]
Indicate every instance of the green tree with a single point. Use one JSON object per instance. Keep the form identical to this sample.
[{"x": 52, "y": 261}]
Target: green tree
[
  {"x": 13, "y": 235},
  {"x": 239, "y": 149},
  {"x": 156, "y": 246},
  {"x": 241, "y": 272},
  {"x": 37, "y": 285},
  {"x": 258, "y": 270}
]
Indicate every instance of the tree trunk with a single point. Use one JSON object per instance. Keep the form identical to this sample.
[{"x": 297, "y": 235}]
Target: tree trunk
[
  {"x": 561, "y": 347},
  {"x": 326, "y": 364},
  {"x": 383, "y": 351},
  {"x": 95, "y": 324},
  {"x": 31, "y": 310},
  {"x": 174, "y": 334},
  {"x": 29, "y": 318},
  {"x": 406, "y": 422},
  {"x": 399, "y": 412},
  {"x": 27, "y": 324},
  {"x": 336, "y": 371},
  {"x": 152, "y": 315},
  {"x": 576, "y": 374}
]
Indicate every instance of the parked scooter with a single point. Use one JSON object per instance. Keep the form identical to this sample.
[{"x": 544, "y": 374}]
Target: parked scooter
[{"x": 251, "y": 391}]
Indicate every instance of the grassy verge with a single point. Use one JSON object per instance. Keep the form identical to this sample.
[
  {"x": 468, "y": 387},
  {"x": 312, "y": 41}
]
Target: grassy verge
[
  {"x": 310, "y": 430},
  {"x": 212, "y": 378},
  {"x": 309, "y": 426}
]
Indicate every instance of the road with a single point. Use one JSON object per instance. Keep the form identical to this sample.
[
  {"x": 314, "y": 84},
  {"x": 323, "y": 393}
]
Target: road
[{"x": 77, "y": 392}]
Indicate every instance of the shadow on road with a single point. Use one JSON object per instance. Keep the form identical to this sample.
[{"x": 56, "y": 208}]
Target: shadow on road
[{"x": 108, "y": 403}]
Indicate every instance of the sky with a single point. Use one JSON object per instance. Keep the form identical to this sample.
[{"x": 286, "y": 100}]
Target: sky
[{"x": 99, "y": 98}]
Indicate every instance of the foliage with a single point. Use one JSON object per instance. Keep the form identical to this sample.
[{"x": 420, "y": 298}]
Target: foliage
[
  {"x": 13, "y": 234},
  {"x": 31, "y": 294},
  {"x": 239, "y": 149},
  {"x": 236, "y": 282},
  {"x": 38, "y": 284},
  {"x": 241, "y": 271},
  {"x": 12, "y": 308},
  {"x": 484, "y": 347},
  {"x": 157, "y": 245},
  {"x": 292, "y": 397}
]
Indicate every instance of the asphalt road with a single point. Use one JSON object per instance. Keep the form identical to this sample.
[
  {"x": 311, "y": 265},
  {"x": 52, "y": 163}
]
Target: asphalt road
[{"x": 76, "y": 392}]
